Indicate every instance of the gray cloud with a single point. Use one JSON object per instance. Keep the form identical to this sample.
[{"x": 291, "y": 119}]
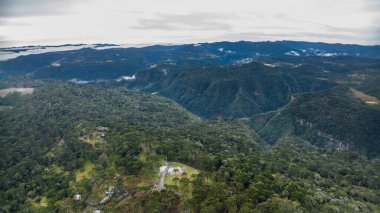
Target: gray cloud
[
  {"x": 372, "y": 5},
  {"x": 11, "y": 8},
  {"x": 365, "y": 34},
  {"x": 261, "y": 36},
  {"x": 4, "y": 42},
  {"x": 190, "y": 21}
]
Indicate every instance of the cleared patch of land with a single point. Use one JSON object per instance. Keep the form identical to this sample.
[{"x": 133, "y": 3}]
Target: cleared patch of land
[
  {"x": 187, "y": 171},
  {"x": 90, "y": 140},
  {"x": 41, "y": 202},
  {"x": 79, "y": 175},
  {"x": 23, "y": 91},
  {"x": 364, "y": 97}
]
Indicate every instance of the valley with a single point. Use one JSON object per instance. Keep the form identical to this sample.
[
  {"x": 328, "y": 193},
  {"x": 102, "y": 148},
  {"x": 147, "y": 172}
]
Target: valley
[{"x": 211, "y": 127}]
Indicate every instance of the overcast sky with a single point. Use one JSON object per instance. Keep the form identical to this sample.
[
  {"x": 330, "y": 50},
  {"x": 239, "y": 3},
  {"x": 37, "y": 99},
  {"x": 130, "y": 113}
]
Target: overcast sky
[{"x": 47, "y": 22}]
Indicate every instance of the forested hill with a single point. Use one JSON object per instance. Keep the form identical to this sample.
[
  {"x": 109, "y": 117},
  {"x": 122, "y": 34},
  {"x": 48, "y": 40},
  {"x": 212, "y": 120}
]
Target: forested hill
[
  {"x": 105, "y": 64},
  {"x": 230, "y": 91},
  {"x": 212, "y": 127},
  {"x": 66, "y": 140},
  {"x": 334, "y": 118}
]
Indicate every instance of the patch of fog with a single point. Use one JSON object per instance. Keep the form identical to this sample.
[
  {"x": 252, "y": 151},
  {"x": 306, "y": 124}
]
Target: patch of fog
[
  {"x": 10, "y": 53},
  {"x": 56, "y": 64},
  {"x": 244, "y": 61},
  {"x": 292, "y": 53},
  {"x": 125, "y": 46},
  {"x": 329, "y": 54},
  {"x": 14, "y": 52},
  {"x": 323, "y": 53},
  {"x": 126, "y": 78},
  {"x": 226, "y": 51},
  {"x": 270, "y": 65},
  {"x": 165, "y": 71},
  {"x": 78, "y": 81}
]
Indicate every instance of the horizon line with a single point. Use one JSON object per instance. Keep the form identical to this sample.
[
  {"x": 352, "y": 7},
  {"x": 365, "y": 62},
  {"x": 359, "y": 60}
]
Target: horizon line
[{"x": 141, "y": 45}]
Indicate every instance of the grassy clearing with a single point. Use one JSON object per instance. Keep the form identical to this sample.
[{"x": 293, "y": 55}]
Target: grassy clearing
[
  {"x": 188, "y": 169},
  {"x": 23, "y": 91},
  {"x": 85, "y": 172},
  {"x": 41, "y": 203},
  {"x": 90, "y": 140},
  {"x": 364, "y": 97}
]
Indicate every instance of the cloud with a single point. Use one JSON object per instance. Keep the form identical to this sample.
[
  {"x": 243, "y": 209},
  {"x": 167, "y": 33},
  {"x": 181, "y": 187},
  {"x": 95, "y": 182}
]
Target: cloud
[
  {"x": 258, "y": 35},
  {"x": 24, "y": 22},
  {"x": 15, "y": 8},
  {"x": 372, "y": 5},
  {"x": 4, "y": 42},
  {"x": 189, "y": 21}
]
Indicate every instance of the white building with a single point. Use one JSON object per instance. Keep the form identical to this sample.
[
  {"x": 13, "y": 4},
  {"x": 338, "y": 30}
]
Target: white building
[{"x": 77, "y": 197}]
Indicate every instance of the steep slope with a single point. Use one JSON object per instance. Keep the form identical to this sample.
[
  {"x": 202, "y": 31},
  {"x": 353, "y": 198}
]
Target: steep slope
[
  {"x": 237, "y": 90},
  {"x": 332, "y": 118}
]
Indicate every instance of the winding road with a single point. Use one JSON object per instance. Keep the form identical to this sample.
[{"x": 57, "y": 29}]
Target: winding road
[{"x": 161, "y": 183}]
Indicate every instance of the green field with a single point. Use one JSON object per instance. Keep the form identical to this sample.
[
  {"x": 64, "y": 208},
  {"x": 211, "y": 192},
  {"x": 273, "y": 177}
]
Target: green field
[
  {"x": 83, "y": 173},
  {"x": 40, "y": 203},
  {"x": 188, "y": 169}
]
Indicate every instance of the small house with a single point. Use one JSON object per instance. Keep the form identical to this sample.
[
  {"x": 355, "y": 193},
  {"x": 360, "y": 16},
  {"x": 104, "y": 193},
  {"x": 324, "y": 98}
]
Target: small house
[
  {"x": 102, "y": 129},
  {"x": 77, "y": 197}
]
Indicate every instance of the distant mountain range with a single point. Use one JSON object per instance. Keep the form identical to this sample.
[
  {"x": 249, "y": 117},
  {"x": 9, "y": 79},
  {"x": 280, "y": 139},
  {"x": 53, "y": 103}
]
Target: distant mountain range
[
  {"x": 226, "y": 79},
  {"x": 107, "y": 61},
  {"x": 245, "y": 127}
]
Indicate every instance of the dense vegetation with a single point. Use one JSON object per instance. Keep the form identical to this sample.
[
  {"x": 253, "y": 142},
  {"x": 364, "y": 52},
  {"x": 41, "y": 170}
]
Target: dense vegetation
[
  {"x": 331, "y": 118},
  {"x": 42, "y": 150},
  {"x": 276, "y": 132},
  {"x": 233, "y": 91}
]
